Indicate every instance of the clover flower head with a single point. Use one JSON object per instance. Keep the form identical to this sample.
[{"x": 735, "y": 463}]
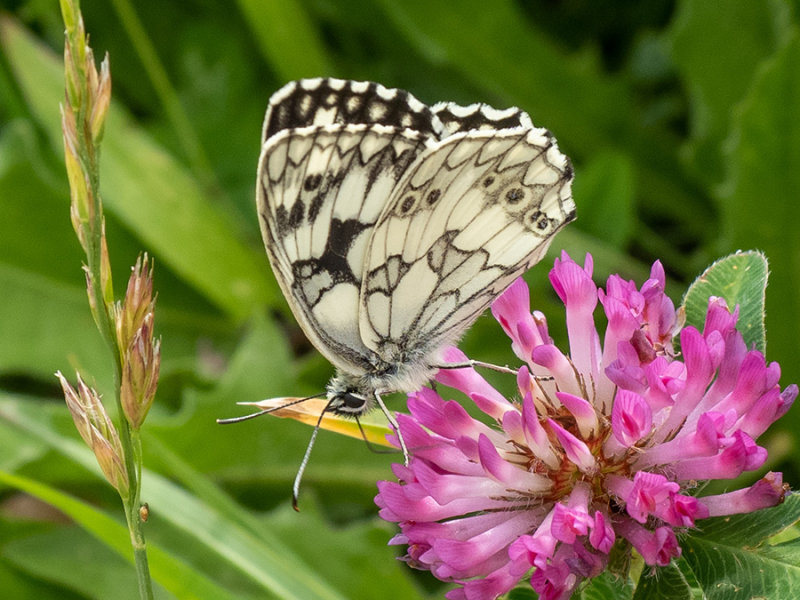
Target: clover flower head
[{"x": 605, "y": 443}]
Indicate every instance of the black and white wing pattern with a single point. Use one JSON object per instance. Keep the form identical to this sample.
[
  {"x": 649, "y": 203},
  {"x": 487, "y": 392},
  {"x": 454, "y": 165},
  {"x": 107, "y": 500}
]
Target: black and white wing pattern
[
  {"x": 474, "y": 212},
  {"x": 391, "y": 225},
  {"x": 322, "y": 184},
  {"x": 326, "y": 101}
]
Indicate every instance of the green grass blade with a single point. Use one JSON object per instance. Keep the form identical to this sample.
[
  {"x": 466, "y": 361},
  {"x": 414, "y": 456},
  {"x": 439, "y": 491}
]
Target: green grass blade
[
  {"x": 259, "y": 557},
  {"x": 174, "y": 575},
  {"x": 149, "y": 190}
]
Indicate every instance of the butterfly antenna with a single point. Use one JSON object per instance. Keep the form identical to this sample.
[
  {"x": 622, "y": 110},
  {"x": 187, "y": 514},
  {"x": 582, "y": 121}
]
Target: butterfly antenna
[
  {"x": 478, "y": 363},
  {"x": 484, "y": 365},
  {"x": 265, "y": 411},
  {"x": 395, "y": 426},
  {"x": 306, "y": 456}
]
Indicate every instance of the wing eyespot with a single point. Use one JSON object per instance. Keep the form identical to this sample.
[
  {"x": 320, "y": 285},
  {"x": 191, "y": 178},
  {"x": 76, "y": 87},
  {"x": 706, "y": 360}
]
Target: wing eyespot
[
  {"x": 515, "y": 195},
  {"x": 433, "y": 196},
  {"x": 540, "y": 222},
  {"x": 407, "y": 205},
  {"x": 488, "y": 181}
]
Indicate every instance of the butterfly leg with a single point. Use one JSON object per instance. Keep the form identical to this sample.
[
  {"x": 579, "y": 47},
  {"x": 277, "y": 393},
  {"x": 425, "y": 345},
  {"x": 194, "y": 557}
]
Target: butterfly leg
[
  {"x": 393, "y": 423},
  {"x": 372, "y": 447}
]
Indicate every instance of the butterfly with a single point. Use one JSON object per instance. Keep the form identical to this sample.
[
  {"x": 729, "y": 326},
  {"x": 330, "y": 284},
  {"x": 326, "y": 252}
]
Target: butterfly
[{"x": 391, "y": 225}]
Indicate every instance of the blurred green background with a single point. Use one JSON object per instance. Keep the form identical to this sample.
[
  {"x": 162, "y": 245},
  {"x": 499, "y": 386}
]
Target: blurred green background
[{"x": 683, "y": 123}]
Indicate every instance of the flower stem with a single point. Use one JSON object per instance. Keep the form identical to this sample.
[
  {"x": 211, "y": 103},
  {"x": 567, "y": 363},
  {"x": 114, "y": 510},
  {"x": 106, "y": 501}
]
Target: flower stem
[
  {"x": 83, "y": 117},
  {"x": 135, "y": 524}
]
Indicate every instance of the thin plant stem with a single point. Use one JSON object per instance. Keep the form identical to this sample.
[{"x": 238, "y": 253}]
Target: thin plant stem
[
  {"x": 87, "y": 99},
  {"x": 135, "y": 527}
]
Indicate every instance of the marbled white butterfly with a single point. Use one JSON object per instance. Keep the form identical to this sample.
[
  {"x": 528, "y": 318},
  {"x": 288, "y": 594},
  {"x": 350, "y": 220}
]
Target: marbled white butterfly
[{"x": 391, "y": 225}]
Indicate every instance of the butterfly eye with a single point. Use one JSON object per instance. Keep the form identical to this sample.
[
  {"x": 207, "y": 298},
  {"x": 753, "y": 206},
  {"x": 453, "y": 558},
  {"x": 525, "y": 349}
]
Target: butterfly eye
[{"x": 353, "y": 402}]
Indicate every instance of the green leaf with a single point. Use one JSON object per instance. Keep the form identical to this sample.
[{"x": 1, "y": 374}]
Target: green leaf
[
  {"x": 47, "y": 326},
  {"x": 287, "y": 38},
  {"x": 363, "y": 556},
  {"x": 20, "y": 586},
  {"x": 496, "y": 47},
  {"x": 606, "y": 586},
  {"x": 365, "y": 565},
  {"x": 274, "y": 553},
  {"x": 223, "y": 531},
  {"x": 75, "y": 560},
  {"x": 34, "y": 208},
  {"x": 749, "y": 32},
  {"x": 490, "y": 55},
  {"x": 45, "y": 322},
  {"x": 522, "y": 593},
  {"x": 729, "y": 557},
  {"x": 665, "y": 583},
  {"x": 167, "y": 570},
  {"x": 604, "y": 192},
  {"x": 760, "y": 202},
  {"x": 149, "y": 190},
  {"x": 741, "y": 279},
  {"x": 748, "y": 530}
]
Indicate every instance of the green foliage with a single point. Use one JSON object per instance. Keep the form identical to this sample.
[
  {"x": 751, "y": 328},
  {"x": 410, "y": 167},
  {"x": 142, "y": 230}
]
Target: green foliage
[
  {"x": 684, "y": 132},
  {"x": 731, "y": 559},
  {"x": 667, "y": 583},
  {"x": 606, "y": 586},
  {"x": 741, "y": 279}
]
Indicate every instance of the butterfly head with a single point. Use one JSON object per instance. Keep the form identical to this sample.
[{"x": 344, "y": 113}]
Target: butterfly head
[{"x": 348, "y": 396}]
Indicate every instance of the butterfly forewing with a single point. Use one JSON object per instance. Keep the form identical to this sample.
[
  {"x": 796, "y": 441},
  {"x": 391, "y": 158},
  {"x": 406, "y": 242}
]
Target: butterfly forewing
[
  {"x": 320, "y": 191},
  {"x": 470, "y": 215}
]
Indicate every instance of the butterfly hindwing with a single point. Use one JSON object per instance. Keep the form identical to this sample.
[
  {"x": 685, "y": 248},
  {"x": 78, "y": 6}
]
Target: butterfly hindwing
[
  {"x": 470, "y": 215},
  {"x": 320, "y": 191}
]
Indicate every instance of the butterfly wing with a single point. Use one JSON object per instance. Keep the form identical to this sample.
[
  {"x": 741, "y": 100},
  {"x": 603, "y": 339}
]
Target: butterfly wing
[
  {"x": 478, "y": 117},
  {"x": 326, "y": 101},
  {"x": 321, "y": 186},
  {"x": 469, "y": 216}
]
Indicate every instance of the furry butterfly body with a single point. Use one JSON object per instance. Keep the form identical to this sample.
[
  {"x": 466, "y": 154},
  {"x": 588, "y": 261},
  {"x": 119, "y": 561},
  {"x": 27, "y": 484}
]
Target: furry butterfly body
[{"x": 391, "y": 225}]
